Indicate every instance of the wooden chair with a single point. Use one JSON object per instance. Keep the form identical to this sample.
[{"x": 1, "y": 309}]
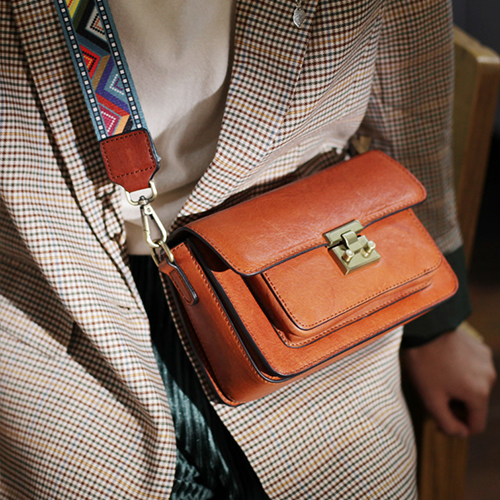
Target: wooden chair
[{"x": 442, "y": 459}]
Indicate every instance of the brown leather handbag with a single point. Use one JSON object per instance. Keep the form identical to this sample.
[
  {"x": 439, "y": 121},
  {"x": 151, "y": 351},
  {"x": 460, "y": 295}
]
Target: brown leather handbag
[{"x": 284, "y": 284}]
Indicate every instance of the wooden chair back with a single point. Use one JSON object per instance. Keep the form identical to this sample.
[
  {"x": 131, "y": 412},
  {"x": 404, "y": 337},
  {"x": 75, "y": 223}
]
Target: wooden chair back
[
  {"x": 443, "y": 459},
  {"x": 477, "y": 78}
]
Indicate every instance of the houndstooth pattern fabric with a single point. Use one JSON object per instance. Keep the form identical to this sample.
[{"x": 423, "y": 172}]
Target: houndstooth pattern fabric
[
  {"x": 384, "y": 68},
  {"x": 359, "y": 445},
  {"x": 83, "y": 413}
]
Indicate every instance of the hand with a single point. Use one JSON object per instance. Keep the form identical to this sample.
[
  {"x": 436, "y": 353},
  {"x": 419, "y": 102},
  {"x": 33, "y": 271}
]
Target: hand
[{"x": 456, "y": 369}]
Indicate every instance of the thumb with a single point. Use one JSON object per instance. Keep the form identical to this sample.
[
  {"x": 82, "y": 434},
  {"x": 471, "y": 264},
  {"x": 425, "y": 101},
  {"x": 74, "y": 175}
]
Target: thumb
[{"x": 439, "y": 407}]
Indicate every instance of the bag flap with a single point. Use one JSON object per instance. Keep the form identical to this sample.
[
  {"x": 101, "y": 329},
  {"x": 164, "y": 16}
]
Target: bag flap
[
  {"x": 259, "y": 233},
  {"x": 309, "y": 296}
]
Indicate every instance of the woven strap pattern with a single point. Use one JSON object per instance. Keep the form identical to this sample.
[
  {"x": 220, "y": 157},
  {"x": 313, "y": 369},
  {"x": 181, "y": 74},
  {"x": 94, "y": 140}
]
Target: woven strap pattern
[{"x": 101, "y": 66}]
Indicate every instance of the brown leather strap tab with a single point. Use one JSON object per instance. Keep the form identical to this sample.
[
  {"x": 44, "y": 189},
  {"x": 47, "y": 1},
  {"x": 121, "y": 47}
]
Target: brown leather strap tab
[
  {"x": 130, "y": 159},
  {"x": 180, "y": 281}
]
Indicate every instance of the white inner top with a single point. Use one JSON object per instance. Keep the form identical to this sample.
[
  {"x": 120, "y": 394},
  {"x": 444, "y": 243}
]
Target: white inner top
[{"x": 179, "y": 56}]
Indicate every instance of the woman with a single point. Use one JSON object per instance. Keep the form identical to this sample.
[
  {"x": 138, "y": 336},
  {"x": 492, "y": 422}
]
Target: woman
[{"x": 84, "y": 411}]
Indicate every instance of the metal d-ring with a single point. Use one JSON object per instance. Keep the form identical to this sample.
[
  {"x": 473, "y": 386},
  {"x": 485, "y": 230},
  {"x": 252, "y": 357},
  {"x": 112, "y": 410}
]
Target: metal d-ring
[
  {"x": 162, "y": 245},
  {"x": 143, "y": 200}
]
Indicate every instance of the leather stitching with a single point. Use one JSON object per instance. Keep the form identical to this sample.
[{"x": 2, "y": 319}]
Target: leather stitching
[
  {"x": 343, "y": 311},
  {"x": 427, "y": 270},
  {"x": 121, "y": 138},
  {"x": 365, "y": 337},
  {"x": 226, "y": 320},
  {"x": 347, "y": 322},
  {"x": 368, "y": 219}
]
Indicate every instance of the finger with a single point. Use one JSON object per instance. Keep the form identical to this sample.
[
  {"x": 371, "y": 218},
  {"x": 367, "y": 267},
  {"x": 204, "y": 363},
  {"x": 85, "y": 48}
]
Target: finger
[
  {"x": 477, "y": 414},
  {"x": 439, "y": 408},
  {"x": 459, "y": 409}
]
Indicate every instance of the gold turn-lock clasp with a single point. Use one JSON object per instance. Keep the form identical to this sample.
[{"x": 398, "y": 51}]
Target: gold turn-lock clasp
[{"x": 351, "y": 249}]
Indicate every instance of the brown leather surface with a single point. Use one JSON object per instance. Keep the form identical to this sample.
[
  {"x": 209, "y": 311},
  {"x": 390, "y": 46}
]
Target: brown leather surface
[
  {"x": 129, "y": 159},
  {"x": 235, "y": 363},
  {"x": 179, "y": 281},
  {"x": 260, "y": 232},
  {"x": 232, "y": 373},
  {"x": 327, "y": 295},
  {"x": 288, "y": 361},
  {"x": 256, "y": 333}
]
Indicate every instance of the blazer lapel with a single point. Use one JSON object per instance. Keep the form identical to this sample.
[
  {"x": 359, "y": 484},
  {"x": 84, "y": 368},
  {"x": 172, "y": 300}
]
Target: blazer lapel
[
  {"x": 105, "y": 310},
  {"x": 53, "y": 74},
  {"x": 268, "y": 56}
]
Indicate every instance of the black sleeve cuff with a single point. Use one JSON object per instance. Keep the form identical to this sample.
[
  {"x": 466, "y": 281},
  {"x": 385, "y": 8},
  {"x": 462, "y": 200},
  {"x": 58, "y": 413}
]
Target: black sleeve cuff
[{"x": 445, "y": 317}]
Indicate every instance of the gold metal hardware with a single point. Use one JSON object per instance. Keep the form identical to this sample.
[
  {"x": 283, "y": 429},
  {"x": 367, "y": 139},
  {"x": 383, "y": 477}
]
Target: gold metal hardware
[
  {"x": 369, "y": 248},
  {"x": 351, "y": 249},
  {"x": 156, "y": 253},
  {"x": 143, "y": 200},
  {"x": 348, "y": 255},
  {"x": 148, "y": 215}
]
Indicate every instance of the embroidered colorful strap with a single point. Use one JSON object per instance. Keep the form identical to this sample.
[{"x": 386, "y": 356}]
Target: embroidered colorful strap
[
  {"x": 127, "y": 149},
  {"x": 109, "y": 92},
  {"x": 101, "y": 66}
]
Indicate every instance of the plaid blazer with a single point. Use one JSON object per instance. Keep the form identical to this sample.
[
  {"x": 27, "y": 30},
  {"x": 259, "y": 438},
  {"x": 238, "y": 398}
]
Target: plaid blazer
[{"x": 83, "y": 412}]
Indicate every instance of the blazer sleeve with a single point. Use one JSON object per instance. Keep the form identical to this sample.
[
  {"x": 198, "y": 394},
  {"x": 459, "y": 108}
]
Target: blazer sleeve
[{"x": 409, "y": 117}]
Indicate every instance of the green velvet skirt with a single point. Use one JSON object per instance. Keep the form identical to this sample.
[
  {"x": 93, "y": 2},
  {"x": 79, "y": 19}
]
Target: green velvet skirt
[{"x": 210, "y": 464}]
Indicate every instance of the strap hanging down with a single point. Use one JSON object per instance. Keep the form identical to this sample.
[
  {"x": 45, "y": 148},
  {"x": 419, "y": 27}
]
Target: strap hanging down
[{"x": 127, "y": 149}]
